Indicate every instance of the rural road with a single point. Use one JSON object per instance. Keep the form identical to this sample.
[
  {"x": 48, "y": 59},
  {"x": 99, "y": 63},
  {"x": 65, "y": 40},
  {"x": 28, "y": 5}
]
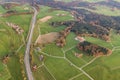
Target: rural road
[{"x": 27, "y": 52}]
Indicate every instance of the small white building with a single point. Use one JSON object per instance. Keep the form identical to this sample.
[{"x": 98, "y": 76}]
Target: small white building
[{"x": 80, "y": 39}]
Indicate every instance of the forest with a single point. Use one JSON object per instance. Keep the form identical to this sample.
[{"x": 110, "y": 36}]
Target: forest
[{"x": 88, "y": 23}]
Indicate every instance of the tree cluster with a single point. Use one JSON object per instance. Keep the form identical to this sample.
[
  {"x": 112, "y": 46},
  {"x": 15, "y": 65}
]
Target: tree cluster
[
  {"x": 92, "y": 49},
  {"x": 61, "y": 41}
]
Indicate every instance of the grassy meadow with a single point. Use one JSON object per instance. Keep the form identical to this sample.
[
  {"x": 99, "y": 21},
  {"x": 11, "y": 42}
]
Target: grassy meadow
[
  {"x": 13, "y": 44},
  {"x": 4, "y": 72}
]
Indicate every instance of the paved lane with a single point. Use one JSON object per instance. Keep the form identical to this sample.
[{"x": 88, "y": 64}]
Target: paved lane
[{"x": 27, "y": 52}]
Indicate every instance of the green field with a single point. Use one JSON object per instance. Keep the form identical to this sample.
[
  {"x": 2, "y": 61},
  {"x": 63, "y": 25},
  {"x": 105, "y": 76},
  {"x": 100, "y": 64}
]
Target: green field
[
  {"x": 4, "y": 72},
  {"x": 51, "y": 49},
  {"x": 62, "y": 64},
  {"x": 2, "y": 10},
  {"x": 102, "y": 68},
  {"x": 70, "y": 41},
  {"x": 13, "y": 44},
  {"x": 99, "y": 42},
  {"x": 58, "y": 63}
]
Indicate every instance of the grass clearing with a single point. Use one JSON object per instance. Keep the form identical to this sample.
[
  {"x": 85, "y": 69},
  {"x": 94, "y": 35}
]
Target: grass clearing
[
  {"x": 46, "y": 28},
  {"x": 98, "y": 73},
  {"x": 115, "y": 38},
  {"x": 10, "y": 41},
  {"x": 103, "y": 73},
  {"x": 22, "y": 20},
  {"x": 42, "y": 74},
  {"x": 15, "y": 68},
  {"x": 70, "y": 41},
  {"x": 99, "y": 42},
  {"x": 4, "y": 72},
  {"x": 53, "y": 50},
  {"x": 81, "y": 77},
  {"x": 79, "y": 61},
  {"x": 113, "y": 60},
  {"x": 2, "y": 10}
]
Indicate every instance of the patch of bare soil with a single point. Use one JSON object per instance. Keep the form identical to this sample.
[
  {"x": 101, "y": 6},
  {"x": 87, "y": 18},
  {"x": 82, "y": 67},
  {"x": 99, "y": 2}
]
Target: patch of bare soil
[
  {"x": 47, "y": 38},
  {"x": 45, "y": 19}
]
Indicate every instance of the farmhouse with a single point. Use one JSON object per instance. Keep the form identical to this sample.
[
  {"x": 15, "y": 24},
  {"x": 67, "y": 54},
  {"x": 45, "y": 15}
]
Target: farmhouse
[{"x": 80, "y": 39}]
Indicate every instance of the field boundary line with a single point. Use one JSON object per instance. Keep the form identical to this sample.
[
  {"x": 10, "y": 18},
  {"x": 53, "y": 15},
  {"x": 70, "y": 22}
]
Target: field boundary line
[
  {"x": 69, "y": 49},
  {"x": 19, "y": 49},
  {"x": 89, "y": 62},
  {"x": 80, "y": 69},
  {"x": 51, "y": 55},
  {"x": 115, "y": 68},
  {"x": 49, "y": 71},
  {"x": 40, "y": 66},
  {"x": 76, "y": 76}
]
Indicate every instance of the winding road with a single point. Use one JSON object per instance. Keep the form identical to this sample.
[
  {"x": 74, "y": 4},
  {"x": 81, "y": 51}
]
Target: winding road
[{"x": 27, "y": 52}]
